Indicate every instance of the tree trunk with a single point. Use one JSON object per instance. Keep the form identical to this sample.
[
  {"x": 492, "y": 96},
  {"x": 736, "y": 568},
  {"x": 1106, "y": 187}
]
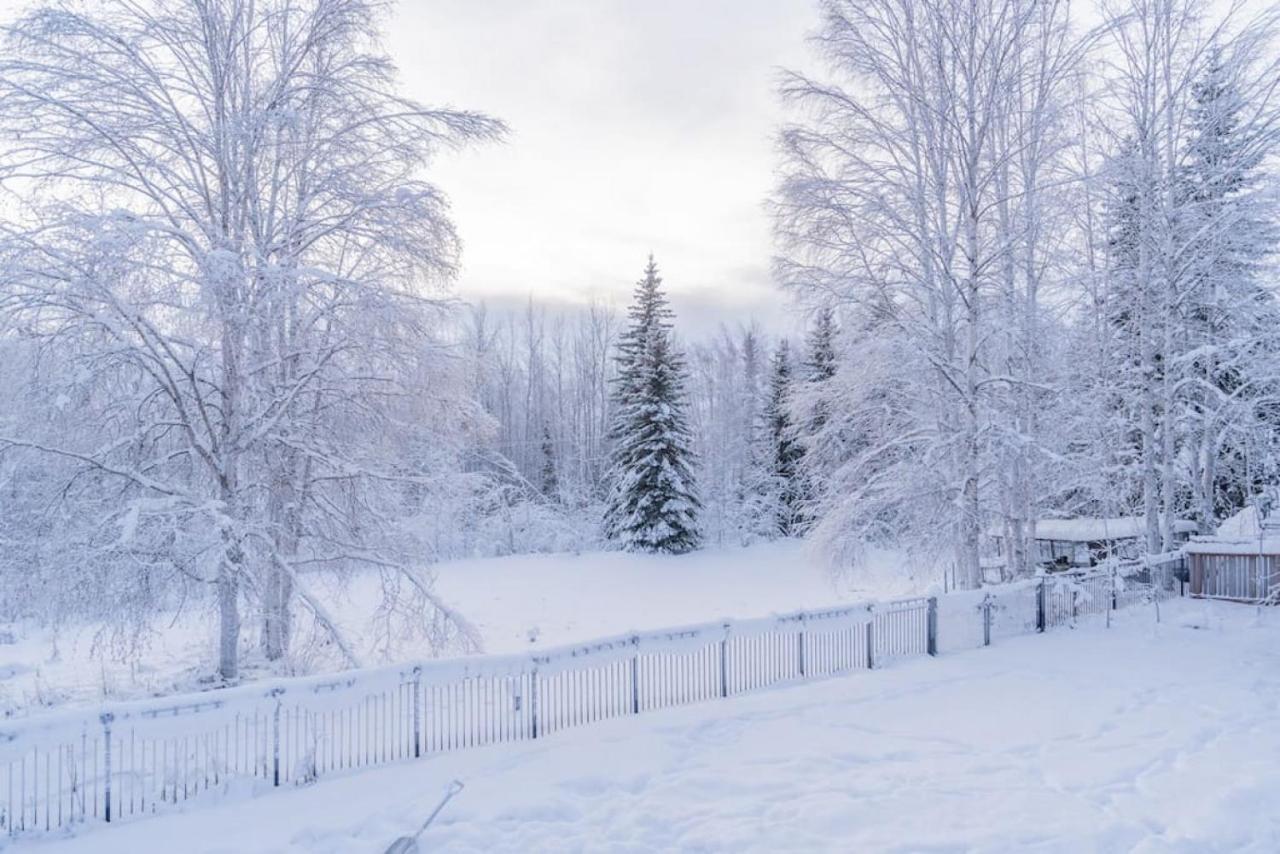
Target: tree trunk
[
  {"x": 971, "y": 511},
  {"x": 228, "y": 621},
  {"x": 1208, "y": 478},
  {"x": 1147, "y": 395}
]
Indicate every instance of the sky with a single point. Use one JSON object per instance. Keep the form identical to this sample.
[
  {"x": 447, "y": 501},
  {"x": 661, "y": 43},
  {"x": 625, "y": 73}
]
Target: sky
[{"x": 636, "y": 126}]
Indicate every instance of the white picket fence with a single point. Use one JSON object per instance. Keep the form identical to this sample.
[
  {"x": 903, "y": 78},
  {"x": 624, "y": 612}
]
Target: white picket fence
[{"x": 127, "y": 760}]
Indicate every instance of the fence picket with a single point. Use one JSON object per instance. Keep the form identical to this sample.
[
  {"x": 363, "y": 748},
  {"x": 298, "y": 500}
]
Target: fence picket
[{"x": 298, "y": 730}]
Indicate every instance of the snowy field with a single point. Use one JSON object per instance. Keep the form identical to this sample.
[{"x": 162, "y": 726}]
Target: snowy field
[
  {"x": 1144, "y": 737},
  {"x": 516, "y": 603}
]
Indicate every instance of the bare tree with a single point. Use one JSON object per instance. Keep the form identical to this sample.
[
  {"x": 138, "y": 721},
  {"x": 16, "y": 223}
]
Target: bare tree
[
  {"x": 911, "y": 195},
  {"x": 229, "y": 227}
]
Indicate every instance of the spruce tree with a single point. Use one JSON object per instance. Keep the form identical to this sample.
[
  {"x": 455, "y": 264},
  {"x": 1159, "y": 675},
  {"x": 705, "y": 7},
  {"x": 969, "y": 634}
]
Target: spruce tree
[
  {"x": 550, "y": 475},
  {"x": 1122, "y": 307},
  {"x": 652, "y": 504},
  {"x": 785, "y": 451},
  {"x": 820, "y": 361},
  {"x": 820, "y": 369},
  {"x": 1231, "y": 230},
  {"x": 753, "y": 487},
  {"x": 818, "y": 452}
]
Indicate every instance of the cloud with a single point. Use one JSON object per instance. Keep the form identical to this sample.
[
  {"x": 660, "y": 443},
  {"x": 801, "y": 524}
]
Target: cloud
[{"x": 637, "y": 127}]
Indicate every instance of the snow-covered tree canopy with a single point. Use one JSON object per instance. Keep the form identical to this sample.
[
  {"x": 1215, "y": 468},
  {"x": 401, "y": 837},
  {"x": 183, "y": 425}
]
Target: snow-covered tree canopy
[
  {"x": 1052, "y": 249},
  {"x": 229, "y": 269}
]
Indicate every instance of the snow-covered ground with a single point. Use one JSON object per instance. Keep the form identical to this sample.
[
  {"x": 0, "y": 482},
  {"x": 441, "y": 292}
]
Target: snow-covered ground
[
  {"x": 516, "y": 603},
  {"x": 558, "y": 599},
  {"x": 1144, "y": 737}
]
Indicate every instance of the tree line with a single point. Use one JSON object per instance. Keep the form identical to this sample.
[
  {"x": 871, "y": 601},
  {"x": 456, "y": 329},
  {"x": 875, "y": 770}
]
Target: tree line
[
  {"x": 1052, "y": 246},
  {"x": 594, "y": 410},
  {"x": 1036, "y": 258}
]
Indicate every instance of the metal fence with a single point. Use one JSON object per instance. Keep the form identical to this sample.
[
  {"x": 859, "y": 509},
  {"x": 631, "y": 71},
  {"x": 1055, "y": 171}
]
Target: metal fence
[{"x": 132, "y": 759}]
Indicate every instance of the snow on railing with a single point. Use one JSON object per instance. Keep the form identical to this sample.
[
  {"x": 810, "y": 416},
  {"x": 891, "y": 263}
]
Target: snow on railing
[{"x": 131, "y": 759}]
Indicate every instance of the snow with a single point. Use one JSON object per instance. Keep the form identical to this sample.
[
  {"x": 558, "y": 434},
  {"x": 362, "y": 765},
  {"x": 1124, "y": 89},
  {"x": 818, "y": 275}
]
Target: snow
[
  {"x": 518, "y": 604},
  {"x": 1013, "y": 612},
  {"x": 1145, "y": 737},
  {"x": 1093, "y": 530},
  {"x": 569, "y": 598},
  {"x": 1243, "y": 533},
  {"x": 1268, "y": 545},
  {"x": 1243, "y": 524}
]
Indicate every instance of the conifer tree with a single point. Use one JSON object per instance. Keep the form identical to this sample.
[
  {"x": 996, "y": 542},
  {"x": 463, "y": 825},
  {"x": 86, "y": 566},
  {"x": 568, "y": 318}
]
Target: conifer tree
[
  {"x": 820, "y": 361},
  {"x": 653, "y": 504},
  {"x": 753, "y": 488},
  {"x": 785, "y": 451},
  {"x": 1133, "y": 333},
  {"x": 550, "y": 475},
  {"x": 1230, "y": 230},
  {"x": 819, "y": 453}
]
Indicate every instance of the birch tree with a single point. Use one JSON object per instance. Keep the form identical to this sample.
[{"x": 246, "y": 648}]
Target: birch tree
[
  {"x": 898, "y": 201},
  {"x": 229, "y": 227}
]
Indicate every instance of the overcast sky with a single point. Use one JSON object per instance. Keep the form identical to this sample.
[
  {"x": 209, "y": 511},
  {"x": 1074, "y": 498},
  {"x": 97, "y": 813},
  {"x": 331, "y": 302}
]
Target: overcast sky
[{"x": 637, "y": 125}]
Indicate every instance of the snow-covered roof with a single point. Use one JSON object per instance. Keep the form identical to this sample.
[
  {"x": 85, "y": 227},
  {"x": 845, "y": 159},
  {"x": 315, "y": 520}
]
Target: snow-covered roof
[
  {"x": 1246, "y": 523},
  {"x": 1245, "y": 533},
  {"x": 1090, "y": 530},
  {"x": 1267, "y": 545}
]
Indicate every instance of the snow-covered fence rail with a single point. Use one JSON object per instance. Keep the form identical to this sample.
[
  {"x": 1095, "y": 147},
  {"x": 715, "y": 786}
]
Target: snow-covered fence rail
[{"x": 132, "y": 759}]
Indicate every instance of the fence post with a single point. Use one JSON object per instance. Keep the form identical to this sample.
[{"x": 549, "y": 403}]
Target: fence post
[
  {"x": 933, "y": 626},
  {"x": 1042, "y": 619},
  {"x": 1075, "y": 604},
  {"x": 106, "y": 719},
  {"x": 275, "y": 737},
  {"x": 1112, "y": 581},
  {"x": 533, "y": 702},
  {"x": 417, "y": 711},
  {"x": 801, "y": 642},
  {"x": 635, "y": 675},
  {"x": 871, "y": 637},
  {"x": 724, "y": 663},
  {"x": 986, "y": 620}
]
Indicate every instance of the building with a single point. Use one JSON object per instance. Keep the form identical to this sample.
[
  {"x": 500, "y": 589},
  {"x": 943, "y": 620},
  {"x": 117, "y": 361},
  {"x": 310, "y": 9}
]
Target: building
[
  {"x": 1072, "y": 543},
  {"x": 1240, "y": 561}
]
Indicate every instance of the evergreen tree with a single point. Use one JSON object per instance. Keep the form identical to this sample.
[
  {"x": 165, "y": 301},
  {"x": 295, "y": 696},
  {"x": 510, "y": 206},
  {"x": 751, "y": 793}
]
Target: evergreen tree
[
  {"x": 1229, "y": 230},
  {"x": 751, "y": 359},
  {"x": 819, "y": 452},
  {"x": 1229, "y": 223},
  {"x": 652, "y": 504},
  {"x": 1122, "y": 212},
  {"x": 785, "y": 451},
  {"x": 754, "y": 479},
  {"x": 1127, "y": 324},
  {"x": 820, "y": 361},
  {"x": 550, "y": 474}
]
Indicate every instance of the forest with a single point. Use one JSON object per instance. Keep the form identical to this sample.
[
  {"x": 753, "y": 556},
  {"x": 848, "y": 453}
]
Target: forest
[{"x": 1031, "y": 249}]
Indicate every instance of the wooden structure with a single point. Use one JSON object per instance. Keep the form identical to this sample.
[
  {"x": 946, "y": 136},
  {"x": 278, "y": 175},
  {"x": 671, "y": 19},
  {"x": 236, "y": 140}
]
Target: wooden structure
[
  {"x": 1219, "y": 571},
  {"x": 1085, "y": 542},
  {"x": 1241, "y": 561},
  {"x": 1232, "y": 575}
]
